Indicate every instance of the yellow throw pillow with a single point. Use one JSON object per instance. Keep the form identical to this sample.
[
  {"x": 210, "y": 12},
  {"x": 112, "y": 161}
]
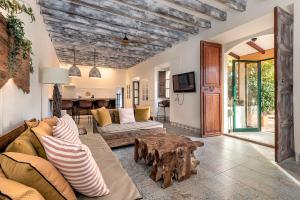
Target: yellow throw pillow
[
  {"x": 142, "y": 114},
  {"x": 2, "y": 175},
  {"x": 43, "y": 129},
  {"x": 13, "y": 190},
  {"x": 95, "y": 114},
  {"x": 51, "y": 121},
  {"x": 37, "y": 173},
  {"x": 104, "y": 117},
  {"x": 22, "y": 145},
  {"x": 31, "y": 123}
]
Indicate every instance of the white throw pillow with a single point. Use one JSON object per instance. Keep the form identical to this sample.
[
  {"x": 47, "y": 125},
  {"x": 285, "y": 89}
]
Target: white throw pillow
[
  {"x": 68, "y": 119},
  {"x": 126, "y": 115}
]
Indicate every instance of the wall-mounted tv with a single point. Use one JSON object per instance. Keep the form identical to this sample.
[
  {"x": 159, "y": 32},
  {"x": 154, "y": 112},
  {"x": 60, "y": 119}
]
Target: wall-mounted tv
[{"x": 184, "y": 82}]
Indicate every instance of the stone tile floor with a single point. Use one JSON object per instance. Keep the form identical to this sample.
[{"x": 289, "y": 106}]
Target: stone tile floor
[{"x": 229, "y": 169}]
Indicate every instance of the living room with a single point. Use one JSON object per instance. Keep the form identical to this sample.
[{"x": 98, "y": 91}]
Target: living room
[{"x": 131, "y": 64}]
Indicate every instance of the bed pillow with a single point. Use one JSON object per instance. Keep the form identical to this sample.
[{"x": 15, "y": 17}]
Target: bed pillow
[
  {"x": 37, "y": 173},
  {"x": 126, "y": 115},
  {"x": 63, "y": 131},
  {"x": 10, "y": 189},
  {"x": 104, "y": 117},
  {"x": 69, "y": 120},
  {"x": 77, "y": 164}
]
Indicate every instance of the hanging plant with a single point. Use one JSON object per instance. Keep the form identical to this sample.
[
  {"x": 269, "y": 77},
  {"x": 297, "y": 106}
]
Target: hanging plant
[{"x": 20, "y": 47}]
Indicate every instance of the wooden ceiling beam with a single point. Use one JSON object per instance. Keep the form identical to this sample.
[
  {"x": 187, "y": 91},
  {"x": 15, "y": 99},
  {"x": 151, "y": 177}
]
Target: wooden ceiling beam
[
  {"x": 234, "y": 55},
  {"x": 103, "y": 28},
  {"x": 200, "y": 7},
  {"x": 256, "y": 47},
  {"x": 167, "y": 11},
  {"x": 143, "y": 15},
  {"x": 103, "y": 15},
  {"x": 83, "y": 37},
  {"x": 60, "y": 27},
  {"x": 239, "y": 5},
  {"x": 139, "y": 29},
  {"x": 103, "y": 50},
  {"x": 81, "y": 42}
]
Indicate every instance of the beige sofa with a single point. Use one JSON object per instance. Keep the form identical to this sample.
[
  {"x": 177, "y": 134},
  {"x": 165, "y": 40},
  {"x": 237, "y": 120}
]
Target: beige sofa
[
  {"x": 116, "y": 178},
  {"x": 117, "y": 135}
]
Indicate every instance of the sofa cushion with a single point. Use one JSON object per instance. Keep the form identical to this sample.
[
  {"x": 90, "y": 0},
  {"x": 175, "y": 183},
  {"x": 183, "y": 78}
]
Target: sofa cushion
[
  {"x": 142, "y": 114},
  {"x": 115, "y": 176},
  {"x": 52, "y": 121},
  {"x": 104, "y": 117},
  {"x": 13, "y": 190},
  {"x": 76, "y": 163},
  {"x": 126, "y": 115},
  {"x": 22, "y": 145},
  {"x": 69, "y": 120},
  {"x": 63, "y": 131},
  {"x": 37, "y": 173},
  {"x": 116, "y": 128}
]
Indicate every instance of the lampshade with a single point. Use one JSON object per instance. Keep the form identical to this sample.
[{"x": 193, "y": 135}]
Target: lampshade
[
  {"x": 74, "y": 71},
  {"x": 95, "y": 73},
  {"x": 54, "y": 75}
]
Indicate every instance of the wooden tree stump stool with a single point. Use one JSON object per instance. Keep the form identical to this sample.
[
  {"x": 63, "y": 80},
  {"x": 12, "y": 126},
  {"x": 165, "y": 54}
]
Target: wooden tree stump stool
[{"x": 171, "y": 156}]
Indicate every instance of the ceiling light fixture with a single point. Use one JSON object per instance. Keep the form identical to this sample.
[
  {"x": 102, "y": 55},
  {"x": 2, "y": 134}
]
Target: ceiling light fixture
[
  {"x": 74, "y": 70},
  {"x": 125, "y": 39},
  {"x": 94, "y": 72}
]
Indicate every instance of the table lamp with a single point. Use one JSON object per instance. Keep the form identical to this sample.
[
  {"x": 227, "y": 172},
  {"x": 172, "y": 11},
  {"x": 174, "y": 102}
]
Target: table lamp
[{"x": 56, "y": 76}]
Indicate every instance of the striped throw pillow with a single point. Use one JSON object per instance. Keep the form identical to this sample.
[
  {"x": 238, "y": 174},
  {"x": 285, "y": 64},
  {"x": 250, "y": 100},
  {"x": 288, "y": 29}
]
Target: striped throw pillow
[
  {"x": 77, "y": 165},
  {"x": 62, "y": 130},
  {"x": 69, "y": 120}
]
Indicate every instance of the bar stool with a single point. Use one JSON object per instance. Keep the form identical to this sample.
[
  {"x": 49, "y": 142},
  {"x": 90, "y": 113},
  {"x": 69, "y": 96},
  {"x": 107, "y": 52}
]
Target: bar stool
[
  {"x": 85, "y": 106},
  {"x": 163, "y": 104},
  {"x": 68, "y": 106}
]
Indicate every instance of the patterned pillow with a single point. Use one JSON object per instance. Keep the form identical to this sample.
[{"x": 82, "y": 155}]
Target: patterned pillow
[
  {"x": 77, "y": 164},
  {"x": 62, "y": 130},
  {"x": 69, "y": 120}
]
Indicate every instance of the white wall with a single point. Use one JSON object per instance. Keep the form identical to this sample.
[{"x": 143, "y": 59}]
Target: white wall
[
  {"x": 185, "y": 56},
  {"x": 15, "y": 106},
  {"x": 296, "y": 76},
  {"x": 111, "y": 79}
]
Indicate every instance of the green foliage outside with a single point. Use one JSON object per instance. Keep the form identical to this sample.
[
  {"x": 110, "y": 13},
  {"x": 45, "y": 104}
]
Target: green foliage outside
[
  {"x": 268, "y": 86},
  {"x": 20, "y": 46}
]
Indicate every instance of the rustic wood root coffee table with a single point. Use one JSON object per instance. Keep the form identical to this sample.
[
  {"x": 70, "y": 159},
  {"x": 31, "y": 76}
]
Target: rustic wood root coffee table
[{"x": 171, "y": 156}]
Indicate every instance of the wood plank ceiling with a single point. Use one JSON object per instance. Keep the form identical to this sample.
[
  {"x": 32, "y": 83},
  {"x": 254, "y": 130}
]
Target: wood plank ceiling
[{"x": 151, "y": 26}]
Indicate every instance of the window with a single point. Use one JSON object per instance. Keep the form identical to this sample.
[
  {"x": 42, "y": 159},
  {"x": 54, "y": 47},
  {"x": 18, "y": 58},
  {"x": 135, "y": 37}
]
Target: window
[
  {"x": 120, "y": 98},
  {"x": 136, "y": 93},
  {"x": 164, "y": 84},
  {"x": 168, "y": 84}
]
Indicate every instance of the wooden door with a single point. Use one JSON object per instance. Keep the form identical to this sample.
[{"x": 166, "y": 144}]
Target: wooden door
[
  {"x": 211, "y": 88},
  {"x": 284, "y": 117}
]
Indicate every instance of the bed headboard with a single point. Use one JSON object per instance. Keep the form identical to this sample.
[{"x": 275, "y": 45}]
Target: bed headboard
[{"x": 7, "y": 138}]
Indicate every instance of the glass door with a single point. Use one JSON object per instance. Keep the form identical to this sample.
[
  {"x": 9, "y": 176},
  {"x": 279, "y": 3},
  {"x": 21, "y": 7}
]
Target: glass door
[{"x": 246, "y": 83}]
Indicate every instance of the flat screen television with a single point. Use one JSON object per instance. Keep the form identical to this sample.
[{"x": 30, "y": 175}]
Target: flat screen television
[{"x": 184, "y": 82}]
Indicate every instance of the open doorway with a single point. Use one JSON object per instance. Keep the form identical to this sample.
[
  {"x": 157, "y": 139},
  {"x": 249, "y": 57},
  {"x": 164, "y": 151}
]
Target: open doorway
[{"x": 251, "y": 90}]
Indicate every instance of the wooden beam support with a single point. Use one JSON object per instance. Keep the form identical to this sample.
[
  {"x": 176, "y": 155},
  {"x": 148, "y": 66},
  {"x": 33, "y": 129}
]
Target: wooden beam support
[
  {"x": 234, "y": 55},
  {"x": 102, "y": 15},
  {"x": 239, "y": 5},
  {"x": 198, "y": 6},
  {"x": 167, "y": 11},
  {"x": 103, "y": 28},
  {"x": 141, "y": 29},
  {"x": 57, "y": 27},
  {"x": 256, "y": 47},
  {"x": 103, "y": 50},
  {"x": 128, "y": 11}
]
